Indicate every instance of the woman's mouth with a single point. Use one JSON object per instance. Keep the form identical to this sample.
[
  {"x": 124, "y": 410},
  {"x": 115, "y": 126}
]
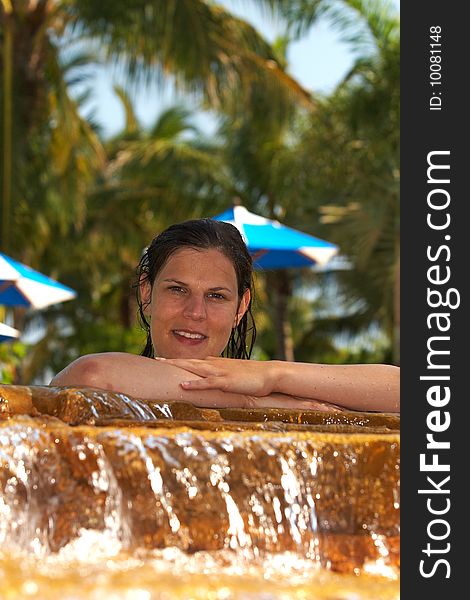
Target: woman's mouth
[{"x": 188, "y": 337}]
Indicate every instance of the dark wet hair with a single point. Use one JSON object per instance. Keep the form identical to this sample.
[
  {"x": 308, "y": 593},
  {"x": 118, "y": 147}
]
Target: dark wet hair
[{"x": 202, "y": 234}]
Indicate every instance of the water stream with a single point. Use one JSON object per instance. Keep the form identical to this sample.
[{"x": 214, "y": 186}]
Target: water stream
[{"x": 105, "y": 496}]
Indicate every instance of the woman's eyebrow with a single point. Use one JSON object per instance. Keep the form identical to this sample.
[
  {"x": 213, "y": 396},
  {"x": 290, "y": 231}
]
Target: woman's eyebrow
[
  {"x": 171, "y": 280},
  {"x": 220, "y": 289},
  {"x": 212, "y": 289}
]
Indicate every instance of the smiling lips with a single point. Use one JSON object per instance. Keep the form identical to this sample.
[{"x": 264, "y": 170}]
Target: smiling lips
[{"x": 189, "y": 337}]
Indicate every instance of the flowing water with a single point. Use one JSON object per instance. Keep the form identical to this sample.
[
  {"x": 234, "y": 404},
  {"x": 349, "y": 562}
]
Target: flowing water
[{"x": 104, "y": 496}]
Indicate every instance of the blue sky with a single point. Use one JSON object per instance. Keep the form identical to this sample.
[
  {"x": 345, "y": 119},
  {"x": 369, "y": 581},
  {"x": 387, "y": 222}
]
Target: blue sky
[{"x": 318, "y": 61}]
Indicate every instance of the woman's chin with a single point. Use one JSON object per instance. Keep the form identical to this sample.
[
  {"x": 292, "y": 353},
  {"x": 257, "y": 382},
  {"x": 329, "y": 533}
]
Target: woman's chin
[{"x": 187, "y": 352}]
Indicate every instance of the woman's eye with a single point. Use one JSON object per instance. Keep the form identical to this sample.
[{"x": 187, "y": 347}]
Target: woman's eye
[
  {"x": 216, "y": 296},
  {"x": 177, "y": 289}
]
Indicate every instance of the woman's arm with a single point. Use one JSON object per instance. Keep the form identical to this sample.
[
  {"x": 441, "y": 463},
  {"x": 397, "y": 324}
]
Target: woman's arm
[
  {"x": 150, "y": 379},
  {"x": 368, "y": 387}
]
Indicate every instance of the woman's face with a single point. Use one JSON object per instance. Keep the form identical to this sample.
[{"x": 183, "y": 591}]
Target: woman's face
[{"x": 194, "y": 304}]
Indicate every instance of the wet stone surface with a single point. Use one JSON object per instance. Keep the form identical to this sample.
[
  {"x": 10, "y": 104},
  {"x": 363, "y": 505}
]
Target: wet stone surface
[{"x": 146, "y": 477}]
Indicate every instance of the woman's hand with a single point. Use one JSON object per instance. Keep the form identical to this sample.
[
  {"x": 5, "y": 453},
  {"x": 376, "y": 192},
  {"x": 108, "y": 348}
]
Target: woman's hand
[{"x": 254, "y": 378}]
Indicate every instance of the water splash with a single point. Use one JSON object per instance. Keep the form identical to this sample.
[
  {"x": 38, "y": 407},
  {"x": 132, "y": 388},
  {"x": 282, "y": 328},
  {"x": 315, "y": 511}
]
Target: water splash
[{"x": 283, "y": 498}]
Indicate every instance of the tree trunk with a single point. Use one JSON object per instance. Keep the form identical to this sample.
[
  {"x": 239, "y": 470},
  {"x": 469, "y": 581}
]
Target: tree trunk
[
  {"x": 280, "y": 284},
  {"x": 7, "y": 127}
]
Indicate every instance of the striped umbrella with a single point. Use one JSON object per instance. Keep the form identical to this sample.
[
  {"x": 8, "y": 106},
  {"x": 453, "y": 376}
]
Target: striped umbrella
[
  {"x": 276, "y": 246},
  {"x": 22, "y": 286}
]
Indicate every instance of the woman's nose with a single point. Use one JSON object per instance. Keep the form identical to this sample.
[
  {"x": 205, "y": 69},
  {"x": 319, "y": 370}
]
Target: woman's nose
[{"x": 195, "y": 308}]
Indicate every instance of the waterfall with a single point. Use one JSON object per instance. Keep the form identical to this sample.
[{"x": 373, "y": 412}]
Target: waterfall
[{"x": 88, "y": 476}]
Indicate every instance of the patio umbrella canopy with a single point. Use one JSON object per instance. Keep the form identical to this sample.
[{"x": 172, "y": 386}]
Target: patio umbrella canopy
[
  {"x": 275, "y": 246},
  {"x": 22, "y": 286},
  {"x": 7, "y": 333}
]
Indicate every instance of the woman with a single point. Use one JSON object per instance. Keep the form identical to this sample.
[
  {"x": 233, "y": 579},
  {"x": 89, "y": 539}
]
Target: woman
[{"x": 195, "y": 295}]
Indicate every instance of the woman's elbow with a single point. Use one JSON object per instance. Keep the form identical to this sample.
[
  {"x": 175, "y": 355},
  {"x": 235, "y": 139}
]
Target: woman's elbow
[{"x": 86, "y": 371}]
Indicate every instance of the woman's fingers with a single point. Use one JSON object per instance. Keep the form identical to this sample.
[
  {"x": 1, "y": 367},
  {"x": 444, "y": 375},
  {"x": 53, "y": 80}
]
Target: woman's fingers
[
  {"x": 208, "y": 383},
  {"x": 213, "y": 377},
  {"x": 198, "y": 367}
]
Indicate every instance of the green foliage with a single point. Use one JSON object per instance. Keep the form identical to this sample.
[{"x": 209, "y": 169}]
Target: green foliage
[
  {"x": 11, "y": 357},
  {"x": 347, "y": 173},
  {"x": 83, "y": 208}
]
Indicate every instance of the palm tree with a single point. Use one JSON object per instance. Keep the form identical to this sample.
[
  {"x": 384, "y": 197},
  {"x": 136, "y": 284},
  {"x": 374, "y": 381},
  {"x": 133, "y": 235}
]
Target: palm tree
[
  {"x": 49, "y": 152},
  {"x": 350, "y": 149},
  {"x": 205, "y": 49},
  {"x": 51, "y": 155}
]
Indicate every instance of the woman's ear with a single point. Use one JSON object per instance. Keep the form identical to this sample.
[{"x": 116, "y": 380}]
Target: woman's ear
[
  {"x": 145, "y": 290},
  {"x": 243, "y": 307}
]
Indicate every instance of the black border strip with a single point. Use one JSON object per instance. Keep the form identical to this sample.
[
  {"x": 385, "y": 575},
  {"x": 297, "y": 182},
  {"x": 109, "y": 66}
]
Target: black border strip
[{"x": 424, "y": 131}]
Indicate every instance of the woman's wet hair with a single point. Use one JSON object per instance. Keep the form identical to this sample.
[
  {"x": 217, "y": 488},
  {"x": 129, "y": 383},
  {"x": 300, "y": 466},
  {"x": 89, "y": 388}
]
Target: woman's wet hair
[{"x": 202, "y": 234}]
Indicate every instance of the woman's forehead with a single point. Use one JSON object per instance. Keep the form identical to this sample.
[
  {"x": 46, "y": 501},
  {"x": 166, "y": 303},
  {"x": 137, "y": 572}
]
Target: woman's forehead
[{"x": 208, "y": 266}]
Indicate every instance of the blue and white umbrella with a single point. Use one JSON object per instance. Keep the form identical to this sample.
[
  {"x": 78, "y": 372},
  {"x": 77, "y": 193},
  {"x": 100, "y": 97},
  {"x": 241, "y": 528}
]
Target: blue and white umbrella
[
  {"x": 275, "y": 246},
  {"x": 22, "y": 286},
  {"x": 7, "y": 333}
]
